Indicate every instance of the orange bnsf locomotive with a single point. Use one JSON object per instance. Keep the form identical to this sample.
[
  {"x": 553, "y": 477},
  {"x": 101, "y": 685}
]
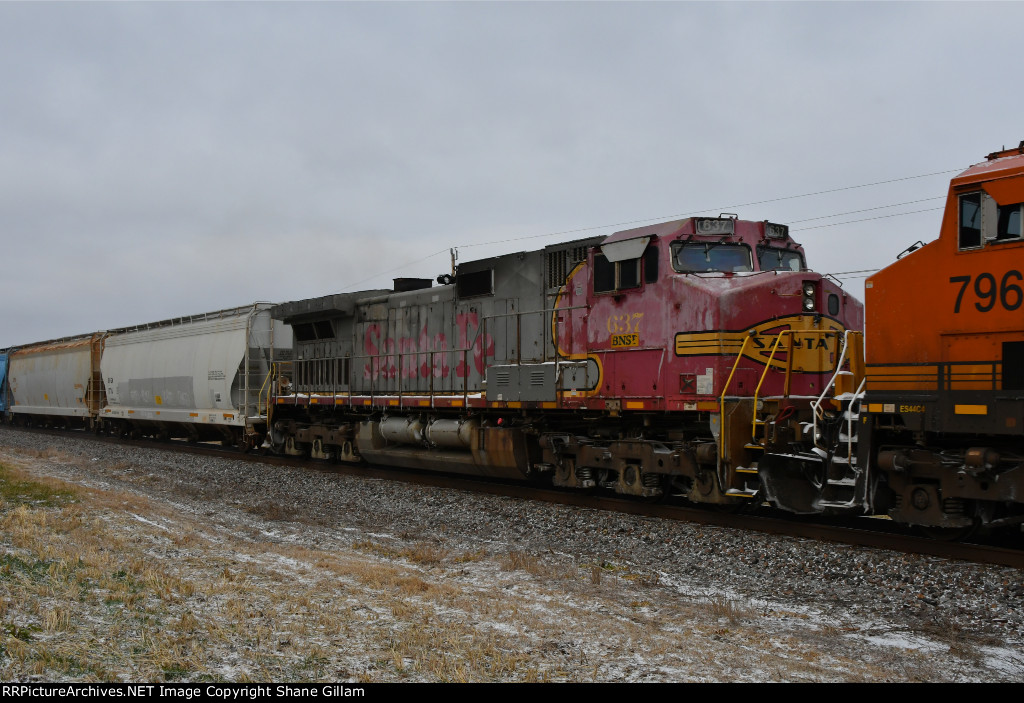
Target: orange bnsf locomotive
[
  {"x": 666, "y": 358},
  {"x": 936, "y": 437}
]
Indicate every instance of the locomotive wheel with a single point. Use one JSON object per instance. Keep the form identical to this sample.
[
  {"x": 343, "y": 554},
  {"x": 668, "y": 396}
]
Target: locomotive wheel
[
  {"x": 950, "y": 534},
  {"x": 705, "y": 483}
]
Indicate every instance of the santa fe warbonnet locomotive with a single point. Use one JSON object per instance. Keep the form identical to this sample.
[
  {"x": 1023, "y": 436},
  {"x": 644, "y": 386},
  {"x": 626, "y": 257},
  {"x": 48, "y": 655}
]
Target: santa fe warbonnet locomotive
[{"x": 664, "y": 358}]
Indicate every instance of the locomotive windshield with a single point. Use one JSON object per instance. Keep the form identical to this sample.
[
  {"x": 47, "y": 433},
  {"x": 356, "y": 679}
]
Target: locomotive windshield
[
  {"x": 711, "y": 256},
  {"x": 983, "y": 220},
  {"x": 772, "y": 259}
]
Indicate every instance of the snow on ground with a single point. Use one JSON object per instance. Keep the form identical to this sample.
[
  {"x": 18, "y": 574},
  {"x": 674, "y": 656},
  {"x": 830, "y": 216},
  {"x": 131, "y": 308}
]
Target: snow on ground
[{"x": 172, "y": 567}]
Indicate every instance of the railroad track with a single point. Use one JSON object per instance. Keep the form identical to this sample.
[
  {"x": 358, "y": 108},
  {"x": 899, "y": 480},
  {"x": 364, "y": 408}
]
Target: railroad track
[{"x": 860, "y": 532}]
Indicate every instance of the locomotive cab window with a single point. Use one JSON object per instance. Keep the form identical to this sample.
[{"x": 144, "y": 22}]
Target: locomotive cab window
[
  {"x": 776, "y": 259},
  {"x": 697, "y": 257},
  {"x": 613, "y": 276},
  {"x": 970, "y": 221},
  {"x": 1008, "y": 226},
  {"x": 982, "y": 220}
]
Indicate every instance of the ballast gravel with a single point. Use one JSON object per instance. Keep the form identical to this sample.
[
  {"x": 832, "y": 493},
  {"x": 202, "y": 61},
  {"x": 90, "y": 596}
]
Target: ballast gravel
[{"x": 704, "y": 603}]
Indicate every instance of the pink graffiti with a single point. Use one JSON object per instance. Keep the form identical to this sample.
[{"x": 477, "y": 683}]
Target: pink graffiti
[{"x": 419, "y": 357}]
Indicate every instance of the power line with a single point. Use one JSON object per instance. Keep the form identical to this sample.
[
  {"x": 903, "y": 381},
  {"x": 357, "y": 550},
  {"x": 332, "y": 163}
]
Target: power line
[
  {"x": 722, "y": 208},
  {"x": 847, "y": 277},
  {"x": 396, "y": 268},
  {"x": 847, "y": 273},
  {"x": 868, "y": 209},
  {"x": 867, "y": 219}
]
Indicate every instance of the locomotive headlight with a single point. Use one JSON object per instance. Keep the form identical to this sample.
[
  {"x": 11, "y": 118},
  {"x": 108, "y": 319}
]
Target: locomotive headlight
[{"x": 809, "y": 294}]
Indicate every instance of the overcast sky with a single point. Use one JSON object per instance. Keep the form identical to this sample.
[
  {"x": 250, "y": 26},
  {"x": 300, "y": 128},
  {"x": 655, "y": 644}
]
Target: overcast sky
[{"x": 161, "y": 159}]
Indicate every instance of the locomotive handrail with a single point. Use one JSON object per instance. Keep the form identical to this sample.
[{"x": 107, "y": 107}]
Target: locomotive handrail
[
  {"x": 736, "y": 363},
  {"x": 265, "y": 386},
  {"x": 789, "y": 367},
  {"x": 519, "y": 317},
  {"x": 384, "y": 358},
  {"x": 721, "y": 401},
  {"x": 275, "y": 371},
  {"x": 768, "y": 365},
  {"x": 850, "y": 420},
  {"x": 543, "y": 311},
  {"x": 817, "y": 403}
]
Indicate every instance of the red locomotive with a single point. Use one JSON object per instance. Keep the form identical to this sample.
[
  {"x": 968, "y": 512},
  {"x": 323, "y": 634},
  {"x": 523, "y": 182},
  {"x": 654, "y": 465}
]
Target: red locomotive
[{"x": 668, "y": 357}]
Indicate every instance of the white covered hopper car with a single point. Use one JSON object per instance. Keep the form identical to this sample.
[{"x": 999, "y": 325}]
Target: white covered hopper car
[
  {"x": 56, "y": 382},
  {"x": 200, "y": 376}
]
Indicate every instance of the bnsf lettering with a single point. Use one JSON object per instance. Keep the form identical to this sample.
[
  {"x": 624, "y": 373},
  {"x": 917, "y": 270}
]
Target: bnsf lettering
[
  {"x": 625, "y": 340},
  {"x": 1006, "y": 293}
]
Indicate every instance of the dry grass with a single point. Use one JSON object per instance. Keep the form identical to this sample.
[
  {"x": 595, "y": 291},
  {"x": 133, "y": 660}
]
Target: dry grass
[
  {"x": 104, "y": 585},
  {"x": 726, "y": 609}
]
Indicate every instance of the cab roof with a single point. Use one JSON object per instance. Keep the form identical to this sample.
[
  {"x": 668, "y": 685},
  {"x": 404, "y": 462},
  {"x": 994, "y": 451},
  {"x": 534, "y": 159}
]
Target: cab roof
[{"x": 1005, "y": 163}]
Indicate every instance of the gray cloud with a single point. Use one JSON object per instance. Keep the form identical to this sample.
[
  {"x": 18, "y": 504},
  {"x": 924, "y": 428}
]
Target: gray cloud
[{"x": 158, "y": 159}]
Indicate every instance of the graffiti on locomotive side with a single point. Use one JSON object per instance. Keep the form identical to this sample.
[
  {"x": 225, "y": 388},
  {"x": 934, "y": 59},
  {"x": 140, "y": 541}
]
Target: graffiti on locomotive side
[
  {"x": 426, "y": 355},
  {"x": 814, "y": 348}
]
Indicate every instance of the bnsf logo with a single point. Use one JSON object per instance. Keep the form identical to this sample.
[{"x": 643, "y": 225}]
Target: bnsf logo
[{"x": 625, "y": 340}]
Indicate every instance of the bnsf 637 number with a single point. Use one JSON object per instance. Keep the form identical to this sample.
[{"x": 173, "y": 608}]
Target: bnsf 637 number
[{"x": 1007, "y": 293}]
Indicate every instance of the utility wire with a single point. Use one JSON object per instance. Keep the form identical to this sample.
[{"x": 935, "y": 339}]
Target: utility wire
[
  {"x": 867, "y": 219},
  {"x": 396, "y": 268},
  {"x": 861, "y": 275},
  {"x": 723, "y": 208},
  {"x": 868, "y": 209},
  {"x": 847, "y": 273}
]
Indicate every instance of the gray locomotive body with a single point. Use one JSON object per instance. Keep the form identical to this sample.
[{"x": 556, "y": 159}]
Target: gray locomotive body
[{"x": 403, "y": 376}]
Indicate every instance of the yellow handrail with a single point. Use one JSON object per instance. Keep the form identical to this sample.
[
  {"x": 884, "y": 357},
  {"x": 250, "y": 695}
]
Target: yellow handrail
[
  {"x": 267, "y": 386},
  {"x": 259, "y": 399},
  {"x": 721, "y": 402},
  {"x": 768, "y": 365},
  {"x": 734, "y": 365},
  {"x": 789, "y": 367}
]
